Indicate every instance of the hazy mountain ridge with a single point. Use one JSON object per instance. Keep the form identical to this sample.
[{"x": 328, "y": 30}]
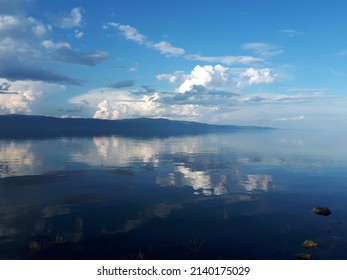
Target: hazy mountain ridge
[{"x": 43, "y": 126}]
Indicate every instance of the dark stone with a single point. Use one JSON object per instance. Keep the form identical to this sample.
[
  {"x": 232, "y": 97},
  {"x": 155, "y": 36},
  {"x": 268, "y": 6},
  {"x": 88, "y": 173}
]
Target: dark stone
[
  {"x": 309, "y": 244},
  {"x": 324, "y": 211}
]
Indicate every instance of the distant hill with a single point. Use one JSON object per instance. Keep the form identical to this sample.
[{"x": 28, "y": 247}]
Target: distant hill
[{"x": 25, "y": 126}]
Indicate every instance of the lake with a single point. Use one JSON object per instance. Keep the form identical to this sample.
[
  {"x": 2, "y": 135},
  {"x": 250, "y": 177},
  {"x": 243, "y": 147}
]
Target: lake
[{"x": 238, "y": 195}]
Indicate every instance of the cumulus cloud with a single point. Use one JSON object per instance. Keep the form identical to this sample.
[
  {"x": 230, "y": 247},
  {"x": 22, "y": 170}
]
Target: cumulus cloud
[
  {"x": 146, "y": 106},
  {"x": 216, "y": 82},
  {"x": 201, "y": 104},
  {"x": 112, "y": 103},
  {"x": 206, "y": 76},
  {"x": 23, "y": 95},
  {"x": 16, "y": 103},
  {"x": 105, "y": 111},
  {"x": 73, "y": 20},
  {"x": 256, "y": 76}
]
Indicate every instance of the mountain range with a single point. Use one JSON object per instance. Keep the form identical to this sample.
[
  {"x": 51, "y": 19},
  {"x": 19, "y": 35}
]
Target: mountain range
[{"x": 30, "y": 126}]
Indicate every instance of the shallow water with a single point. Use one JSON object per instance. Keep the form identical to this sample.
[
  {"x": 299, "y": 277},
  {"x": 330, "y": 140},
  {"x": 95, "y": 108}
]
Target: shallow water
[{"x": 242, "y": 195}]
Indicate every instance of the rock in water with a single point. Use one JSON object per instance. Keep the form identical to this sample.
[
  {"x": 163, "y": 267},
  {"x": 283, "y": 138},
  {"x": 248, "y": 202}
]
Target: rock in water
[
  {"x": 324, "y": 211},
  {"x": 309, "y": 244},
  {"x": 303, "y": 256}
]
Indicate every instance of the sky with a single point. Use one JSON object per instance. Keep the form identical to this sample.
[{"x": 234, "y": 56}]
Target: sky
[{"x": 243, "y": 62}]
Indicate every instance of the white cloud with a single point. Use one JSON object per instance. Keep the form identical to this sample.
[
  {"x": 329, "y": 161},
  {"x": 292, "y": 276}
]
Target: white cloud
[
  {"x": 7, "y": 22},
  {"x": 256, "y": 76},
  {"x": 38, "y": 28},
  {"x": 167, "y": 49},
  {"x": 169, "y": 77},
  {"x": 132, "y": 69},
  {"x": 184, "y": 111},
  {"x": 314, "y": 91},
  {"x": 22, "y": 95},
  {"x": 49, "y": 44},
  {"x": 22, "y": 28},
  {"x": 178, "y": 76},
  {"x": 265, "y": 50},
  {"x": 291, "y": 32},
  {"x": 228, "y": 60},
  {"x": 297, "y": 118},
  {"x": 206, "y": 105},
  {"x": 129, "y": 32},
  {"x": 79, "y": 34},
  {"x": 206, "y": 76},
  {"x": 73, "y": 20},
  {"x": 110, "y": 103},
  {"x": 105, "y": 111},
  {"x": 16, "y": 103}
]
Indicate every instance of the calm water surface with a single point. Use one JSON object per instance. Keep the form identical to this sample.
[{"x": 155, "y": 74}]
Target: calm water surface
[{"x": 242, "y": 195}]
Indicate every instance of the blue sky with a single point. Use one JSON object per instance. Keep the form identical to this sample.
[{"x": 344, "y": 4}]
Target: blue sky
[{"x": 243, "y": 62}]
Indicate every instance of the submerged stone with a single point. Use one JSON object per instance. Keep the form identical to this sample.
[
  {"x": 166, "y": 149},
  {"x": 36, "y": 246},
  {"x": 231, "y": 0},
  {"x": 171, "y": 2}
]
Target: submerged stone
[
  {"x": 303, "y": 256},
  {"x": 309, "y": 244},
  {"x": 324, "y": 211}
]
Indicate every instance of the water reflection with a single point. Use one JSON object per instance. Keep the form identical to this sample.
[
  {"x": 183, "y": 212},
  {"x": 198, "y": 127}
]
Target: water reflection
[
  {"x": 258, "y": 182},
  {"x": 16, "y": 158},
  {"x": 200, "y": 181},
  {"x": 118, "y": 152},
  {"x": 161, "y": 210},
  {"x": 70, "y": 192}
]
